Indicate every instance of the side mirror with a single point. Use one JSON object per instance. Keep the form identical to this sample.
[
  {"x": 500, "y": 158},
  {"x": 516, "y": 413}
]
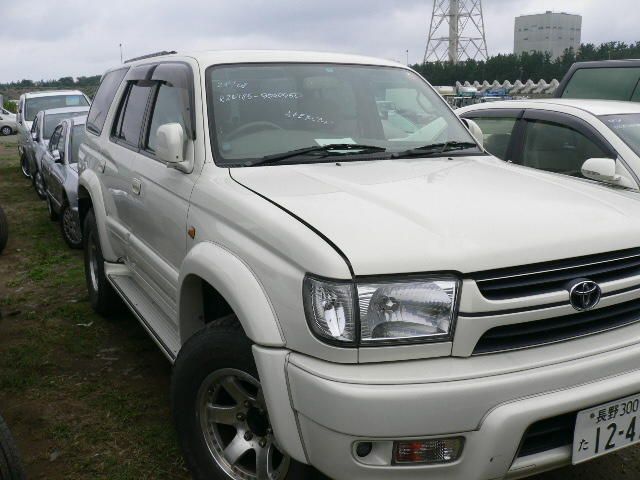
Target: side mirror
[
  {"x": 34, "y": 136},
  {"x": 475, "y": 130},
  {"x": 601, "y": 169},
  {"x": 57, "y": 158},
  {"x": 170, "y": 144}
]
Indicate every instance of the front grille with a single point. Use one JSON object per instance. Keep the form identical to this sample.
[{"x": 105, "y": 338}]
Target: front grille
[
  {"x": 540, "y": 332},
  {"x": 548, "y": 434},
  {"x": 553, "y": 276}
]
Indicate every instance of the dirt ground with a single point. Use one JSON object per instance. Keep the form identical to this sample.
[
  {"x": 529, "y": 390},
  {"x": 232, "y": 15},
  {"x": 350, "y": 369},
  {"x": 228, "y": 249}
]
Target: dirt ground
[{"x": 87, "y": 397}]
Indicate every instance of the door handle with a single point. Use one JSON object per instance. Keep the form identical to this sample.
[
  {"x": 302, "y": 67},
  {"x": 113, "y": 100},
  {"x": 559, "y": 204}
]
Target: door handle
[{"x": 136, "y": 186}]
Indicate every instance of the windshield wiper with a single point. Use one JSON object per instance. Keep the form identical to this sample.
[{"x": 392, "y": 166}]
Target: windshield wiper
[
  {"x": 432, "y": 148},
  {"x": 327, "y": 149}
]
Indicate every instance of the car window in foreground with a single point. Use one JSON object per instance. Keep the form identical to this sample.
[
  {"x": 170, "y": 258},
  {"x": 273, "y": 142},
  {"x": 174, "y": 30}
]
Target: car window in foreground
[
  {"x": 627, "y": 127},
  {"x": 557, "y": 148},
  {"x": 269, "y": 109},
  {"x": 604, "y": 83},
  {"x": 34, "y": 105}
]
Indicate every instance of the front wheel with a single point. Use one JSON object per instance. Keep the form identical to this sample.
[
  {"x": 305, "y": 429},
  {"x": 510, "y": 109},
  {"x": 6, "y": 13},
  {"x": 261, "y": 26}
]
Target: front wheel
[
  {"x": 6, "y": 130},
  {"x": 24, "y": 165},
  {"x": 103, "y": 298},
  {"x": 39, "y": 186},
  {"x": 220, "y": 413},
  {"x": 70, "y": 227}
]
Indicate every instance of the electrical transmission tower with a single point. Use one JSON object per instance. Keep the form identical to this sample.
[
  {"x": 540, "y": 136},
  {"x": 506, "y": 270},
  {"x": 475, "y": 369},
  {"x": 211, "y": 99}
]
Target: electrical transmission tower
[{"x": 456, "y": 31}]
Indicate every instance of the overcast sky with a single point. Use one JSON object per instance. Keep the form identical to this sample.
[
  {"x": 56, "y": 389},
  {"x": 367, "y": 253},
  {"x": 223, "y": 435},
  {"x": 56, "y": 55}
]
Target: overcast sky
[{"x": 43, "y": 39}]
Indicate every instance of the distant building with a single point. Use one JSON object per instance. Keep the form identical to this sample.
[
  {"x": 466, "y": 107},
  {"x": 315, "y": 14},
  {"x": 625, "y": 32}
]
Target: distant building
[{"x": 547, "y": 32}]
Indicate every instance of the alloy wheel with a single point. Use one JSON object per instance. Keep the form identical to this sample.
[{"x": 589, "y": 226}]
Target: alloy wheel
[
  {"x": 236, "y": 427},
  {"x": 39, "y": 181},
  {"x": 6, "y": 131},
  {"x": 93, "y": 262},
  {"x": 70, "y": 226}
]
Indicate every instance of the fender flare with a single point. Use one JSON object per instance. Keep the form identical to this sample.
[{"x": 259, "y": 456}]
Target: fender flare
[
  {"x": 238, "y": 285},
  {"x": 90, "y": 182}
]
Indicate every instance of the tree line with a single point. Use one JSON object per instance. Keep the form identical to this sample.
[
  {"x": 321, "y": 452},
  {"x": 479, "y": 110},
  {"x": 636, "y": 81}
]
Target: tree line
[{"x": 534, "y": 66}]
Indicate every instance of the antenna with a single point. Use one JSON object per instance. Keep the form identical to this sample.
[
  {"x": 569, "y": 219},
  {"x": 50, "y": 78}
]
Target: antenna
[
  {"x": 120, "y": 53},
  {"x": 456, "y": 32}
]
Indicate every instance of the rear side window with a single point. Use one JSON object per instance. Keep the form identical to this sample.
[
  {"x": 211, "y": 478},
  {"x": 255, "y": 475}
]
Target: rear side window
[
  {"x": 131, "y": 116},
  {"x": 102, "y": 101},
  {"x": 604, "y": 83},
  {"x": 496, "y": 132}
]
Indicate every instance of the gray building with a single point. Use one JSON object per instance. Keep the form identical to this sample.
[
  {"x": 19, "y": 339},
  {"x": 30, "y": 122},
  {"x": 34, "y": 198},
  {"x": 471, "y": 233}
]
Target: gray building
[{"x": 547, "y": 32}]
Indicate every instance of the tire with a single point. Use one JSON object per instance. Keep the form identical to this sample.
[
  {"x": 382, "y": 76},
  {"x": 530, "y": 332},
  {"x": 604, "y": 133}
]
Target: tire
[
  {"x": 53, "y": 216},
  {"x": 103, "y": 298},
  {"x": 6, "y": 130},
  {"x": 24, "y": 165},
  {"x": 39, "y": 185},
  {"x": 70, "y": 227},
  {"x": 217, "y": 356},
  {"x": 10, "y": 464},
  {"x": 4, "y": 231}
]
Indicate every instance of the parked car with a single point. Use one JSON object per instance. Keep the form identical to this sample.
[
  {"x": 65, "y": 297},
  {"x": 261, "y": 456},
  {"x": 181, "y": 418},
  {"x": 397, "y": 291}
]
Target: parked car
[
  {"x": 60, "y": 174},
  {"x": 560, "y": 135},
  {"x": 605, "y": 80},
  {"x": 337, "y": 292},
  {"x": 33, "y": 102},
  {"x": 41, "y": 131},
  {"x": 8, "y": 125}
]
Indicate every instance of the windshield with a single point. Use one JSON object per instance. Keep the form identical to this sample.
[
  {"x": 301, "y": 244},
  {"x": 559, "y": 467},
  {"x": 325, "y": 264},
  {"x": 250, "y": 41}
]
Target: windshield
[
  {"x": 259, "y": 110},
  {"x": 627, "y": 127},
  {"x": 52, "y": 120},
  {"x": 34, "y": 105},
  {"x": 77, "y": 137},
  {"x": 604, "y": 84}
]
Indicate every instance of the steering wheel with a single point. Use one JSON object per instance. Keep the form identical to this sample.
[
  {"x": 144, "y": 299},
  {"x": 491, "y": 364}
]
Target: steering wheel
[{"x": 253, "y": 126}]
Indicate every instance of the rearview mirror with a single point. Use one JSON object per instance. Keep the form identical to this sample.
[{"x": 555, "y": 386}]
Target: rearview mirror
[
  {"x": 601, "y": 169},
  {"x": 170, "y": 143},
  {"x": 475, "y": 130}
]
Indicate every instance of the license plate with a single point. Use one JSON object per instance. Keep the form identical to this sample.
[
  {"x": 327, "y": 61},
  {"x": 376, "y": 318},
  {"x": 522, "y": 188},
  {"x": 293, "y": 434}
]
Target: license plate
[{"x": 606, "y": 428}]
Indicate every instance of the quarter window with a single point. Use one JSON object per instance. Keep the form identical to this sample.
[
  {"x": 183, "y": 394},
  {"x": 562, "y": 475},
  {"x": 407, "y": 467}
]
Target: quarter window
[
  {"x": 102, "y": 101},
  {"x": 496, "y": 132},
  {"x": 129, "y": 123},
  {"x": 557, "y": 148}
]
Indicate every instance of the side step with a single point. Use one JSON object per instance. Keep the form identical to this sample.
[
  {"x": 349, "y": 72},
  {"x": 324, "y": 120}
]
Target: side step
[{"x": 152, "y": 318}]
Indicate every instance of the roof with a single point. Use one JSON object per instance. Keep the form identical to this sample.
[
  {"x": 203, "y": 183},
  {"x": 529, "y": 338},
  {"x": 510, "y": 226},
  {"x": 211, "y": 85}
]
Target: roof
[
  {"x": 594, "y": 107},
  {"x": 53, "y": 111},
  {"x": 218, "y": 57},
  {"x": 52, "y": 93}
]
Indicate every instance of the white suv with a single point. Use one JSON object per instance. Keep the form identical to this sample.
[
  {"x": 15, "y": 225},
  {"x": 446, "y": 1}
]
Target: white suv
[{"x": 345, "y": 280}]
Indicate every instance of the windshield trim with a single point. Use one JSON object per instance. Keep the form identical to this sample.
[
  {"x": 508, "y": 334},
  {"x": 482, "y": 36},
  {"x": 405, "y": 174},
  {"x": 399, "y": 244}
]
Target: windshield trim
[{"x": 241, "y": 163}]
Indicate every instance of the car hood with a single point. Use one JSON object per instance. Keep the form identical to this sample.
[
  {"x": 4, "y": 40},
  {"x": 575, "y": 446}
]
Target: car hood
[{"x": 463, "y": 214}]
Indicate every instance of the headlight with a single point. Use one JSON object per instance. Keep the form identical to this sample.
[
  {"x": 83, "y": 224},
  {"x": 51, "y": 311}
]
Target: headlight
[{"x": 390, "y": 311}]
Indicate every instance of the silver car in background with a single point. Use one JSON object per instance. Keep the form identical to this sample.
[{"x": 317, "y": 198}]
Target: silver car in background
[
  {"x": 31, "y": 103},
  {"x": 41, "y": 130},
  {"x": 60, "y": 172}
]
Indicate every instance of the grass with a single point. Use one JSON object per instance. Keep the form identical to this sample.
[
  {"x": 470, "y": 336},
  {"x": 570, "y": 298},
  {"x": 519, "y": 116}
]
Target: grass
[{"x": 86, "y": 397}]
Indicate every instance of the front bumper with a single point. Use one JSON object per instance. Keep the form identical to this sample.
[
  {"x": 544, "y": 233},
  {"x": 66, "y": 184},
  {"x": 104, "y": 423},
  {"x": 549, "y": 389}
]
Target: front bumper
[{"x": 319, "y": 409}]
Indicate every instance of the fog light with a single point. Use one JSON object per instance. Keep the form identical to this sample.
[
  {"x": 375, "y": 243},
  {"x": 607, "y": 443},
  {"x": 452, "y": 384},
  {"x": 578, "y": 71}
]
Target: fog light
[{"x": 441, "y": 450}]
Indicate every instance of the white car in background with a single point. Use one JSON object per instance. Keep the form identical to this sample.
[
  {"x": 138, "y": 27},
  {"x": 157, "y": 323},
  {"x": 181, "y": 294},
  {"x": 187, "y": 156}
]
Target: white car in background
[
  {"x": 8, "y": 125},
  {"x": 594, "y": 139},
  {"x": 33, "y": 102}
]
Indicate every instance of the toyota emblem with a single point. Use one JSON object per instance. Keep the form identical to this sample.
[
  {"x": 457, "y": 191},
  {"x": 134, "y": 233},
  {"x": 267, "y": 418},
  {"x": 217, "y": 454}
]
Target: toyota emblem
[{"x": 584, "y": 294}]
